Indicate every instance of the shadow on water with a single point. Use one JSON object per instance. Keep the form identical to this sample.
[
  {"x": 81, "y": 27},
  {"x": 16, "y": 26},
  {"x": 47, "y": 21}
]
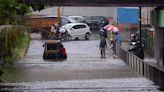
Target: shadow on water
[
  {"x": 7, "y": 72},
  {"x": 1, "y": 73},
  {"x": 5, "y": 88}
]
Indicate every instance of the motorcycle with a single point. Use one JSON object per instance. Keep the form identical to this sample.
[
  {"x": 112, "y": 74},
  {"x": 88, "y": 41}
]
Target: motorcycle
[
  {"x": 136, "y": 47},
  {"x": 138, "y": 50},
  {"x": 64, "y": 35},
  {"x": 133, "y": 41}
]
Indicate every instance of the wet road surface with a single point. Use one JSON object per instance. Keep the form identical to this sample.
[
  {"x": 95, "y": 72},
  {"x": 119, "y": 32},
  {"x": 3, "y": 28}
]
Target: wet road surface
[{"x": 83, "y": 71}]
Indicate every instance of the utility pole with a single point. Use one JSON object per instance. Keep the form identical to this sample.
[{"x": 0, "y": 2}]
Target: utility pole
[
  {"x": 59, "y": 16},
  {"x": 1, "y": 52},
  {"x": 140, "y": 23}
]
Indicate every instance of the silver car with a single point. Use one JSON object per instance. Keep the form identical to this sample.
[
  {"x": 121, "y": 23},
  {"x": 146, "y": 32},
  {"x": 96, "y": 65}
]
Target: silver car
[{"x": 76, "y": 30}]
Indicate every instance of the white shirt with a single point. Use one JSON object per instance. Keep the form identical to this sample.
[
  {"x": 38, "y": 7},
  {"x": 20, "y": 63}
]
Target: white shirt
[{"x": 53, "y": 29}]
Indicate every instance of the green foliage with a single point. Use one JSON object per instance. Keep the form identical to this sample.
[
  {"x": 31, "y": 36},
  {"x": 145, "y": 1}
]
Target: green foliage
[
  {"x": 22, "y": 9},
  {"x": 14, "y": 42},
  {"x": 7, "y": 11},
  {"x": 19, "y": 50},
  {"x": 10, "y": 9},
  {"x": 37, "y": 6}
]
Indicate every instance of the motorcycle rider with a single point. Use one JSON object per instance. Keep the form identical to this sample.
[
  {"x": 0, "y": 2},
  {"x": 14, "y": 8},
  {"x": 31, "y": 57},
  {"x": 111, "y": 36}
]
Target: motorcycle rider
[{"x": 136, "y": 46}]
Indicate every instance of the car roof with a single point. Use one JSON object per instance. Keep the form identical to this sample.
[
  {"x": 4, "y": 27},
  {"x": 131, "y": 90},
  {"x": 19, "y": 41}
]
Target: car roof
[
  {"x": 75, "y": 16},
  {"x": 53, "y": 41},
  {"x": 96, "y": 17},
  {"x": 76, "y": 24}
]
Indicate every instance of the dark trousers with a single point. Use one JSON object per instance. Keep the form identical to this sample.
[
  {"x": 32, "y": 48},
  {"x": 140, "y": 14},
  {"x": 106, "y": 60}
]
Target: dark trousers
[{"x": 102, "y": 52}]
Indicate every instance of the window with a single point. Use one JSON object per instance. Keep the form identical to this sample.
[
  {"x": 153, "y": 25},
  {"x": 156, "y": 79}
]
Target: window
[
  {"x": 79, "y": 26},
  {"x": 52, "y": 46}
]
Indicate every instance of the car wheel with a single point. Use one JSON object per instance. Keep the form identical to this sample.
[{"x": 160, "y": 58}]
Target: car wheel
[
  {"x": 87, "y": 36},
  {"x": 68, "y": 36},
  {"x": 64, "y": 36}
]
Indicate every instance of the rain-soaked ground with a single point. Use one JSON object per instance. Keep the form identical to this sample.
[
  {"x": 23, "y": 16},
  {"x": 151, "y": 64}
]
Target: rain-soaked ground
[{"x": 83, "y": 71}]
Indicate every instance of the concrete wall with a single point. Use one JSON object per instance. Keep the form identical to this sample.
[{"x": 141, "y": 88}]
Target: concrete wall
[
  {"x": 149, "y": 70},
  {"x": 146, "y": 14},
  {"x": 80, "y": 11},
  {"x": 159, "y": 39}
]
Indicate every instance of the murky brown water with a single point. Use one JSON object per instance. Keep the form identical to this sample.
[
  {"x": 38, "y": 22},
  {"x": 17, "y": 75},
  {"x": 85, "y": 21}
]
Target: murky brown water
[{"x": 83, "y": 67}]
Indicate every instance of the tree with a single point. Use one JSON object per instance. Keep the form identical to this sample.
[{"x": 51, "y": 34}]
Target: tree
[
  {"x": 10, "y": 9},
  {"x": 37, "y": 6},
  {"x": 7, "y": 11},
  {"x": 22, "y": 9}
]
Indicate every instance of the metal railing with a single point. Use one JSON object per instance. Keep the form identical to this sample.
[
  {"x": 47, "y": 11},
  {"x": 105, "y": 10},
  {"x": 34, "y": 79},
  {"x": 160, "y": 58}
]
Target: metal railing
[{"x": 151, "y": 72}]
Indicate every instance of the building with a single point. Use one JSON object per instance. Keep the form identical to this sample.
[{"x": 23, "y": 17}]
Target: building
[{"x": 80, "y": 11}]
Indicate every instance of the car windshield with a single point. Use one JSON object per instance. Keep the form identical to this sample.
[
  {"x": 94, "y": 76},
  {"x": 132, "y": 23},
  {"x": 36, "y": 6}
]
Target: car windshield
[
  {"x": 95, "y": 18},
  {"x": 52, "y": 47}
]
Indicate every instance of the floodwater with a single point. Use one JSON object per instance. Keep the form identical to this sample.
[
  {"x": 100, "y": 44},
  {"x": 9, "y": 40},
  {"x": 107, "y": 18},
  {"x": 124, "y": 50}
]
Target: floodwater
[{"x": 83, "y": 71}]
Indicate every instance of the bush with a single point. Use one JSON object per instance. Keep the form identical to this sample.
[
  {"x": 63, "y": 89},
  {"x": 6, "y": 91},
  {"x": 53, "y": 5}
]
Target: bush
[{"x": 14, "y": 43}]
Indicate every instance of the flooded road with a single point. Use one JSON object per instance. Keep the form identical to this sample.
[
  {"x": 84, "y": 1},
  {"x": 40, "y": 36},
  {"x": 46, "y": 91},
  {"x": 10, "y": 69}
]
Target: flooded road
[{"x": 83, "y": 71}]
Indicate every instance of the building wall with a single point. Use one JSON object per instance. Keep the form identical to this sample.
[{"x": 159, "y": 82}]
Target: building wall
[
  {"x": 78, "y": 11},
  {"x": 146, "y": 14},
  {"x": 159, "y": 40}
]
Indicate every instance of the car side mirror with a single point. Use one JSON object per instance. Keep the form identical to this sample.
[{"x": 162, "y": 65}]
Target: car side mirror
[{"x": 83, "y": 21}]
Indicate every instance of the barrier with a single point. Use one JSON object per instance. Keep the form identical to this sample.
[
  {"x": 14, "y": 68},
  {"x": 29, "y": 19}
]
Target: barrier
[{"x": 149, "y": 71}]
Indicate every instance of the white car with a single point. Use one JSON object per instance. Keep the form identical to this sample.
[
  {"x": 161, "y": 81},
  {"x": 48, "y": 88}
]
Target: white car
[
  {"x": 76, "y": 30},
  {"x": 76, "y": 18}
]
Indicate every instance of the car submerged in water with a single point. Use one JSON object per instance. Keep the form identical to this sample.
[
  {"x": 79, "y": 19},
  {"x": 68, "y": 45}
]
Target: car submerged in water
[{"x": 54, "y": 50}]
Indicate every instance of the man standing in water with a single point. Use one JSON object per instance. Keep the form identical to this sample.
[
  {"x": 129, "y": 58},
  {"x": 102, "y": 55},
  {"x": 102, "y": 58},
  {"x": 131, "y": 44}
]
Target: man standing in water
[{"x": 103, "y": 46}]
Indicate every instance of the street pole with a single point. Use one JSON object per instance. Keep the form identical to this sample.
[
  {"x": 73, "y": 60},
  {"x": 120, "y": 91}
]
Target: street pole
[
  {"x": 59, "y": 16},
  {"x": 140, "y": 23},
  {"x": 1, "y": 52}
]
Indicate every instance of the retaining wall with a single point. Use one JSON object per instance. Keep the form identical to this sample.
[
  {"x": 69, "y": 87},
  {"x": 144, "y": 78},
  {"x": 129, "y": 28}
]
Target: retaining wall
[{"x": 152, "y": 72}]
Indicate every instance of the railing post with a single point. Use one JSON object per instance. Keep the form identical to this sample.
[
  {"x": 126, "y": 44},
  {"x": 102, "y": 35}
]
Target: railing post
[
  {"x": 141, "y": 67},
  {"x": 131, "y": 61},
  {"x": 135, "y": 63},
  {"x": 144, "y": 69},
  {"x": 128, "y": 58},
  {"x": 138, "y": 65}
]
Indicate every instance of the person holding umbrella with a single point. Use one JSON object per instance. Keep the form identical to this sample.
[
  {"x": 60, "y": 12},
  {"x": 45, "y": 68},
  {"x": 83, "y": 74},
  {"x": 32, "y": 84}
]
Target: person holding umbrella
[
  {"x": 117, "y": 41},
  {"x": 114, "y": 37}
]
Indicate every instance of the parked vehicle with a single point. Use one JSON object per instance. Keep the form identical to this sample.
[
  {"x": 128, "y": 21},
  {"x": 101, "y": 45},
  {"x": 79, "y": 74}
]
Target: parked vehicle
[
  {"x": 136, "y": 47},
  {"x": 138, "y": 50},
  {"x": 52, "y": 50},
  {"x": 75, "y": 18},
  {"x": 96, "y": 22},
  {"x": 43, "y": 24},
  {"x": 75, "y": 30},
  {"x": 65, "y": 20},
  {"x": 134, "y": 38}
]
